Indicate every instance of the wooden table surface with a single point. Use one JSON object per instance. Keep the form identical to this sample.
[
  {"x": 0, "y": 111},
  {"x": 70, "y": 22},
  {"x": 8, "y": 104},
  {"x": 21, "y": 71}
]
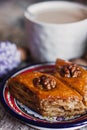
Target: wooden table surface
[{"x": 8, "y": 122}]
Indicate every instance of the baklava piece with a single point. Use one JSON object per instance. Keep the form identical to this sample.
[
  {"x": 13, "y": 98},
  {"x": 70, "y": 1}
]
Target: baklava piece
[
  {"x": 46, "y": 95},
  {"x": 72, "y": 75}
]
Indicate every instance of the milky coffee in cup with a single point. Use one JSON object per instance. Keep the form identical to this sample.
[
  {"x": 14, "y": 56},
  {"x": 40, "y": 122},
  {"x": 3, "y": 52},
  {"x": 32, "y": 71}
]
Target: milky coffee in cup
[
  {"x": 62, "y": 15},
  {"x": 56, "y": 29}
]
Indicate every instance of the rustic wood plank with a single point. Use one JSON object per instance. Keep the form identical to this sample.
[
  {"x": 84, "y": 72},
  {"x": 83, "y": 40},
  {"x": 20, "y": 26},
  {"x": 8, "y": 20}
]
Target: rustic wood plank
[{"x": 7, "y": 122}]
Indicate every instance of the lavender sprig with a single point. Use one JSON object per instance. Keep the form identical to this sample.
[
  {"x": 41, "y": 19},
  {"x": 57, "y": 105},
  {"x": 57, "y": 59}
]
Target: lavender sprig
[{"x": 10, "y": 57}]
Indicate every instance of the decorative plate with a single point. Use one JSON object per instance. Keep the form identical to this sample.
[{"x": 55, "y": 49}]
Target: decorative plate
[{"x": 32, "y": 118}]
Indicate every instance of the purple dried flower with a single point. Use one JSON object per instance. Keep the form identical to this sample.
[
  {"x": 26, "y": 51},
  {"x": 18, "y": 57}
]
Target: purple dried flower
[{"x": 10, "y": 57}]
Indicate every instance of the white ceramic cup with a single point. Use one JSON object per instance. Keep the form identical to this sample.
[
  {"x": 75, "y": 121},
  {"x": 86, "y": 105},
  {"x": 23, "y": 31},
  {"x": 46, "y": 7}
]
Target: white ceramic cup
[{"x": 50, "y": 40}]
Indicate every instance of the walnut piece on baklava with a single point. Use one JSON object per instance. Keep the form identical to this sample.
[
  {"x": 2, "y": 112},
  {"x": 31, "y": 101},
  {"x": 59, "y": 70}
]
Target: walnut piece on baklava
[
  {"x": 46, "y": 95},
  {"x": 72, "y": 75}
]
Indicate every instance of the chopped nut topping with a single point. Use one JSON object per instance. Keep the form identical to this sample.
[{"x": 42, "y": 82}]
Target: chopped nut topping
[
  {"x": 36, "y": 81},
  {"x": 71, "y": 70},
  {"x": 44, "y": 82}
]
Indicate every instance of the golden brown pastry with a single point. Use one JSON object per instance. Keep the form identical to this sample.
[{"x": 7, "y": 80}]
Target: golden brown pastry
[
  {"x": 72, "y": 75},
  {"x": 46, "y": 95}
]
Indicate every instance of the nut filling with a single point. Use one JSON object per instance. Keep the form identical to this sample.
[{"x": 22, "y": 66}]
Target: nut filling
[
  {"x": 71, "y": 70},
  {"x": 44, "y": 82}
]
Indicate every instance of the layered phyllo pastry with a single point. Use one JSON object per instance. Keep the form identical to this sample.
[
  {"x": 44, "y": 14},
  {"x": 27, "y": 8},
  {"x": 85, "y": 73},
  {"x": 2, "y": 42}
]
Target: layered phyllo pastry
[
  {"x": 73, "y": 76},
  {"x": 46, "y": 94}
]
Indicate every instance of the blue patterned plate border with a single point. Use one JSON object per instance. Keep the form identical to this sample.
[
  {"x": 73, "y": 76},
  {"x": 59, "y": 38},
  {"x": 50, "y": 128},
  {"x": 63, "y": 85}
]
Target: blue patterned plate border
[{"x": 28, "y": 116}]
